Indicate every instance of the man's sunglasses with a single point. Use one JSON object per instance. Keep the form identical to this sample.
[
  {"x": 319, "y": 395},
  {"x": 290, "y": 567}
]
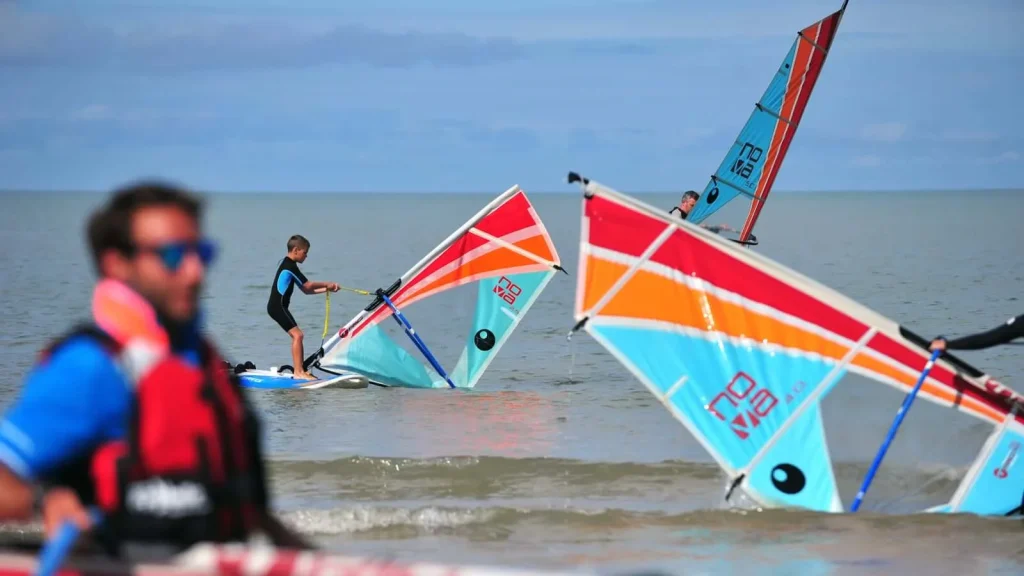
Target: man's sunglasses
[{"x": 173, "y": 254}]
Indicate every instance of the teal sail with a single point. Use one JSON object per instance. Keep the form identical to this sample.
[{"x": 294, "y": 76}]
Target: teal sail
[
  {"x": 752, "y": 163},
  {"x": 495, "y": 320}
]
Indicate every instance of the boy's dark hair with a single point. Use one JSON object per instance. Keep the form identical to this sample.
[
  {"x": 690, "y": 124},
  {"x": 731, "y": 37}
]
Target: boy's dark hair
[
  {"x": 110, "y": 227},
  {"x": 297, "y": 241},
  {"x": 691, "y": 194}
]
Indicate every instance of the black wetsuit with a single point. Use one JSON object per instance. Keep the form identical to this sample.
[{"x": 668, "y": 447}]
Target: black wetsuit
[
  {"x": 287, "y": 276},
  {"x": 683, "y": 215},
  {"x": 1002, "y": 334}
]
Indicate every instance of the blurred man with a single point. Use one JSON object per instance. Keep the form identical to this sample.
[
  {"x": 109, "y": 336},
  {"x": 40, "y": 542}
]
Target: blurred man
[{"x": 134, "y": 412}]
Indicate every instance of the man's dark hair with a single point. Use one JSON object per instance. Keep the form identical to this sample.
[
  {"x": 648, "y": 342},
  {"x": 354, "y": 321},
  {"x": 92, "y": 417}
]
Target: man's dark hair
[
  {"x": 691, "y": 194},
  {"x": 297, "y": 241},
  {"x": 110, "y": 227}
]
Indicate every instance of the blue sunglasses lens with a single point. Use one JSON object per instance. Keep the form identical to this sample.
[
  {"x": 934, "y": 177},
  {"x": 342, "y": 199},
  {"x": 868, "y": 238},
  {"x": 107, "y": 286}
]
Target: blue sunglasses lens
[
  {"x": 173, "y": 254},
  {"x": 207, "y": 251}
]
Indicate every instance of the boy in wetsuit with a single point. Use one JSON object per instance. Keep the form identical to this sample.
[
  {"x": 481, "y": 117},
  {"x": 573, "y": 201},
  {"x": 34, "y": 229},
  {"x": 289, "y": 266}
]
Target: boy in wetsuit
[{"x": 288, "y": 275}]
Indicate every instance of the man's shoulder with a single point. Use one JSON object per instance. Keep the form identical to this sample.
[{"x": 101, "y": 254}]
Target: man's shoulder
[
  {"x": 74, "y": 396},
  {"x": 78, "y": 353}
]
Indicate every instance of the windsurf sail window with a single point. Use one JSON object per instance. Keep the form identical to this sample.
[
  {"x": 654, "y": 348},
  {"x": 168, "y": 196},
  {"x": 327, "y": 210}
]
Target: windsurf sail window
[
  {"x": 504, "y": 250},
  {"x": 754, "y": 160},
  {"x": 743, "y": 351}
]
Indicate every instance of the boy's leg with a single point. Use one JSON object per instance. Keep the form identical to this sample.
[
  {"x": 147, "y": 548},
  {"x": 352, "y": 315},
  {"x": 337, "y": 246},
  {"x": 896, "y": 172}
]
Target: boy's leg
[
  {"x": 287, "y": 322},
  {"x": 297, "y": 353}
]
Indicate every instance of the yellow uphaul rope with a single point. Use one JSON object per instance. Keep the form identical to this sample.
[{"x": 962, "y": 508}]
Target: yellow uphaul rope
[
  {"x": 327, "y": 312},
  {"x": 357, "y": 291},
  {"x": 327, "y": 315}
]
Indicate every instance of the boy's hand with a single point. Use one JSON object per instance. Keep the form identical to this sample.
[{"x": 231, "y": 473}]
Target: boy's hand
[{"x": 333, "y": 287}]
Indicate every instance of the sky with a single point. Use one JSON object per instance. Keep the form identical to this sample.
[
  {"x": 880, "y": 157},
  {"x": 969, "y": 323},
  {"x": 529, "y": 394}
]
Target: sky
[{"x": 477, "y": 95}]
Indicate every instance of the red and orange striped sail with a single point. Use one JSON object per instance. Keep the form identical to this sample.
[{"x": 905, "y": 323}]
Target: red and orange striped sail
[
  {"x": 504, "y": 248},
  {"x": 742, "y": 351}
]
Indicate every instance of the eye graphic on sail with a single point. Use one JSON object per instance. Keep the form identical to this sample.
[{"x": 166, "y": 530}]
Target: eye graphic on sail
[
  {"x": 754, "y": 160},
  {"x": 504, "y": 249},
  {"x": 742, "y": 351}
]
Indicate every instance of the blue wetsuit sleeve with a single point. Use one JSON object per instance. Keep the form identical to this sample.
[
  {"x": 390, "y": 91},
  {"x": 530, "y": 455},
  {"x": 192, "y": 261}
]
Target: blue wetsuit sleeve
[
  {"x": 289, "y": 273},
  {"x": 70, "y": 403},
  {"x": 283, "y": 280}
]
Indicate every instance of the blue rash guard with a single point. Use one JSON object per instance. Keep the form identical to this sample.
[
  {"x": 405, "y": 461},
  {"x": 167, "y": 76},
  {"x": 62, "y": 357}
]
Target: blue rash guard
[{"x": 69, "y": 404}]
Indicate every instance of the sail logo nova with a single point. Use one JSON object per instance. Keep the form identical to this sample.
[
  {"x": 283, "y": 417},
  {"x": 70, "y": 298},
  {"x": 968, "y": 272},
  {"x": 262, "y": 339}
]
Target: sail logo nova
[
  {"x": 507, "y": 290},
  {"x": 746, "y": 160},
  {"x": 757, "y": 403}
]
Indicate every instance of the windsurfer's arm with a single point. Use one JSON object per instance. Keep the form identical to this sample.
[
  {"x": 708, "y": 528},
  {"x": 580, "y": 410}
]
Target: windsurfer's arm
[
  {"x": 716, "y": 228},
  {"x": 311, "y": 287},
  {"x": 1002, "y": 334},
  {"x": 16, "y": 496}
]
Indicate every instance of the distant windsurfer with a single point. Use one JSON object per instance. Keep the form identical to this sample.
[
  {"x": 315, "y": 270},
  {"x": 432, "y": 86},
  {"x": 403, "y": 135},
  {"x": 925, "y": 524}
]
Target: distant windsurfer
[
  {"x": 288, "y": 275},
  {"x": 1002, "y": 334},
  {"x": 686, "y": 204}
]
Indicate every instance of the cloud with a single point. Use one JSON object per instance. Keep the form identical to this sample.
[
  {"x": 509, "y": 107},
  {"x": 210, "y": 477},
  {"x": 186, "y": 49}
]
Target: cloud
[
  {"x": 92, "y": 112},
  {"x": 968, "y": 136},
  {"x": 40, "y": 40},
  {"x": 1004, "y": 158},
  {"x": 884, "y": 132}
]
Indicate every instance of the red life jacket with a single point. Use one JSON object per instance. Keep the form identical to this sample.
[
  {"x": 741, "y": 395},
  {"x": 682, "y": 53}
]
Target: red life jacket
[{"x": 189, "y": 469}]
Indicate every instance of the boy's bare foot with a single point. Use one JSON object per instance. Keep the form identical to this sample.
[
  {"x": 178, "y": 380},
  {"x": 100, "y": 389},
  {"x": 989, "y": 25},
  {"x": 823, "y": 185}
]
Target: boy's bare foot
[{"x": 304, "y": 376}]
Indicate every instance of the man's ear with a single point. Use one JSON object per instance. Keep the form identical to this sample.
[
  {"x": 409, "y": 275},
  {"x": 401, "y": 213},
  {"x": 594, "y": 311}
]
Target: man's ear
[{"x": 115, "y": 265}]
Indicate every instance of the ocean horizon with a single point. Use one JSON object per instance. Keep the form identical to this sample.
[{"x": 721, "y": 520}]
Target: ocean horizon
[{"x": 570, "y": 189}]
